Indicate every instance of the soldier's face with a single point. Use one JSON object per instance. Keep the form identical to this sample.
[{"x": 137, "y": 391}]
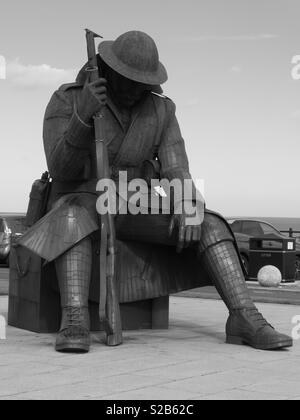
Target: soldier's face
[{"x": 127, "y": 92}]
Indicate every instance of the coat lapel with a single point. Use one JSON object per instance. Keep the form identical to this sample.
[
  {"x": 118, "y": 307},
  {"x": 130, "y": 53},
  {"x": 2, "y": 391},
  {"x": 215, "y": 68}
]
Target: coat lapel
[
  {"x": 132, "y": 144},
  {"x": 115, "y": 112}
]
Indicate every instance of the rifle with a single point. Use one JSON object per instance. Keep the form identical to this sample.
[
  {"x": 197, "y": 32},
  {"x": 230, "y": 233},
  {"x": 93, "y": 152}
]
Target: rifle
[{"x": 109, "y": 309}]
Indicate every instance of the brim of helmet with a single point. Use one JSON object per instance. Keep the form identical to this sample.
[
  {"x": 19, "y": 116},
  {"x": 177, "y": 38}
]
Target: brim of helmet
[{"x": 149, "y": 78}]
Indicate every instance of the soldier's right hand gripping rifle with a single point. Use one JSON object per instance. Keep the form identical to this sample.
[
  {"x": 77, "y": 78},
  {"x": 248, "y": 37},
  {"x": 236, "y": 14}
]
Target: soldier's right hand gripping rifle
[{"x": 94, "y": 95}]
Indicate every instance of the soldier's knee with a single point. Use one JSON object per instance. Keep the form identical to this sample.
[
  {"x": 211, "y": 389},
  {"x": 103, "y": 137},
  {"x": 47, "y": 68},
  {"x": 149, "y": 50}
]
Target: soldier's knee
[{"x": 214, "y": 230}]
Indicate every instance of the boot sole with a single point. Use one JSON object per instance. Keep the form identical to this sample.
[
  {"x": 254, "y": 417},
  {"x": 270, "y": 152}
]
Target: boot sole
[
  {"x": 72, "y": 348},
  {"x": 272, "y": 346}
]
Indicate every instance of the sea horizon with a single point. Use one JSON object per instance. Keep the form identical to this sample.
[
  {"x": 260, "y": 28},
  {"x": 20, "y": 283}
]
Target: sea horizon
[{"x": 281, "y": 223}]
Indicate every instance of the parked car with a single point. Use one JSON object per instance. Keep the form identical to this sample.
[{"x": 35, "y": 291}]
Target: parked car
[
  {"x": 10, "y": 224},
  {"x": 244, "y": 229}
]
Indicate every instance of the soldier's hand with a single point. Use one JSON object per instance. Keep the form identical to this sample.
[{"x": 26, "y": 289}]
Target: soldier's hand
[
  {"x": 188, "y": 233},
  {"x": 93, "y": 98}
]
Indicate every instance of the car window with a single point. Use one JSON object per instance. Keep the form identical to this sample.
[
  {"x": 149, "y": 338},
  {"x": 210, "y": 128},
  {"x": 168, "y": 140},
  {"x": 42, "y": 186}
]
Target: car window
[
  {"x": 252, "y": 228},
  {"x": 236, "y": 226},
  {"x": 268, "y": 230}
]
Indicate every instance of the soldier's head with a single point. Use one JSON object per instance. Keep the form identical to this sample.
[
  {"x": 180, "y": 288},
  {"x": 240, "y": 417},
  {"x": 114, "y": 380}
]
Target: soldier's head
[{"x": 133, "y": 66}]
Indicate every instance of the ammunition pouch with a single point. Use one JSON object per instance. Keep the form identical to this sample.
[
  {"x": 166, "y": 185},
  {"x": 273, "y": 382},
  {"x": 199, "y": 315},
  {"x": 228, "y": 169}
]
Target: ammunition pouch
[{"x": 39, "y": 195}]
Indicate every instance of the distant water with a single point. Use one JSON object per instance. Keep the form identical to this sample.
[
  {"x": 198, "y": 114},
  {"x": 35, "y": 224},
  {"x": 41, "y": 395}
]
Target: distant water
[
  {"x": 6, "y": 214},
  {"x": 281, "y": 223},
  {"x": 284, "y": 223}
]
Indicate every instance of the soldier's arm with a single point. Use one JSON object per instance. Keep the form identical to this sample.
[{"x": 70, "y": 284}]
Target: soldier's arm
[{"x": 67, "y": 138}]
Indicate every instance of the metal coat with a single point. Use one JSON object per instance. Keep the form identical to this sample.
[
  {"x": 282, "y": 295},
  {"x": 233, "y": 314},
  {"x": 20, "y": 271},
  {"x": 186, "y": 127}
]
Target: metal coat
[{"x": 72, "y": 215}]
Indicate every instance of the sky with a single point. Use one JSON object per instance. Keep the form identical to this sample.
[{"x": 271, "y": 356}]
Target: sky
[{"x": 229, "y": 65}]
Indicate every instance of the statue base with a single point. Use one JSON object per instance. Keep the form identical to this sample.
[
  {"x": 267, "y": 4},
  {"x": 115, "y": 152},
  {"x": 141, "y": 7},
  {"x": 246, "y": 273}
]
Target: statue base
[{"x": 34, "y": 301}]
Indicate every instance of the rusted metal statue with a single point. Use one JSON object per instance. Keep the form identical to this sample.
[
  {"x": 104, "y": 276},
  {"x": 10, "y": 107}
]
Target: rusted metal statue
[{"x": 125, "y": 105}]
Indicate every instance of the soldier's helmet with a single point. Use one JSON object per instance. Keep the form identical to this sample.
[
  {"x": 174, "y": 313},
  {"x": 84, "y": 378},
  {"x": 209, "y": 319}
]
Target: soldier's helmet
[{"x": 134, "y": 55}]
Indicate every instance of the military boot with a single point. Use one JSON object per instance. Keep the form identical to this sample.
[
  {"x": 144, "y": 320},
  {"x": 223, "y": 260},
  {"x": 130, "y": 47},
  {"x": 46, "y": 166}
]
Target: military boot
[
  {"x": 245, "y": 324},
  {"x": 74, "y": 273},
  {"x": 248, "y": 326},
  {"x": 74, "y": 335}
]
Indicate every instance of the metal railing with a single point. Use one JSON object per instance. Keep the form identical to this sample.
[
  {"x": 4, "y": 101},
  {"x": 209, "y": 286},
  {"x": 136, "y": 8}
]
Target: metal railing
[{"x": 291, "y": 232}]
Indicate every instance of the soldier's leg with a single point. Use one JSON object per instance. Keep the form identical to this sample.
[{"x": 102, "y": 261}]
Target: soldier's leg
[
  {"x": 219, "y": 256},
  {"x": 149, "y": 228},
  {"x": 74, "y": 274}
]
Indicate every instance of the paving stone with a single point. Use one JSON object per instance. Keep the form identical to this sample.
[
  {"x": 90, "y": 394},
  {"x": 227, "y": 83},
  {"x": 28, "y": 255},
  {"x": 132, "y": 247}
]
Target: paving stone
[
  {"x": 243, "y": 395},
  {"x": 221, "y": 381},
  {"x": 283, "y": 387},
  {"x": 156, "y": 393},
  {"x": 188, "y": 361}
]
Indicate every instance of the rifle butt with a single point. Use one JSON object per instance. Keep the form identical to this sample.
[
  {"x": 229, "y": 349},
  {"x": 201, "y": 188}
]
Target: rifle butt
[{"x": 113, "y": 315}]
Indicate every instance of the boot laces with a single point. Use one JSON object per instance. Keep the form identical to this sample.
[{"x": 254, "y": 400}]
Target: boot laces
[
  {"x": 74, "y": 316},
  {"x": 257, "y": 318},
  {"x": 74, "y": 320}
]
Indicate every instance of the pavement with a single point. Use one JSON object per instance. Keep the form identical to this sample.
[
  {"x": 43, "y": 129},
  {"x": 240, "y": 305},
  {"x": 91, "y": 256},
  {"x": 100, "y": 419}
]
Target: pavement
[
  {"x": 190, "y": 361},
  {"x": 286, "y": 293}
]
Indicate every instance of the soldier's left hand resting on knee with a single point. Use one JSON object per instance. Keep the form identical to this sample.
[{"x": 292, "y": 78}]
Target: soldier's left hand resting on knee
[{"x": 188, "y": 224}]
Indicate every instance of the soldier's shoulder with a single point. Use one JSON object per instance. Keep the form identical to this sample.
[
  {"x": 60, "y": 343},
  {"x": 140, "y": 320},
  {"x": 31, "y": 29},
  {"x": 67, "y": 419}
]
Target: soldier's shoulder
[
  {"x": 164, "y": 103},
  {"x": 65, "y": 93},
  {"x": 161, "y": 95},
  {"x": 68, "y": 86},
  {"x": 162, "y": 99},
  {"x": 63, "y": 96}
]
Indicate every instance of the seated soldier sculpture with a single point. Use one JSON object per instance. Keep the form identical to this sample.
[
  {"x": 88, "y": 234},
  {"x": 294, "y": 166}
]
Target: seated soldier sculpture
[{"x": 138, "y": 119}]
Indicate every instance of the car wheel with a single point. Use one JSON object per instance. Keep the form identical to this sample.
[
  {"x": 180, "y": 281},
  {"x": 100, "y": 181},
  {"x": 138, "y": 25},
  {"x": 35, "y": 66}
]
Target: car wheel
[{"x": 245, "y": 262}]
